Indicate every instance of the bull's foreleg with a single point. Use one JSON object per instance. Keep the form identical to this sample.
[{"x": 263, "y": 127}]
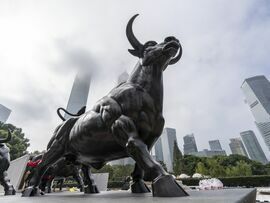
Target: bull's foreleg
[
  {"x": 138, "y": 185},
  {"x": 125, "y": 132},
  {"x": 89, "y": 183}
]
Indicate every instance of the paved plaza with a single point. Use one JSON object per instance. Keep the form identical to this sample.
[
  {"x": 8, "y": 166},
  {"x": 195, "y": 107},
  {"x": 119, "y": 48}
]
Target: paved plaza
[{"x": 213, "y": 196}]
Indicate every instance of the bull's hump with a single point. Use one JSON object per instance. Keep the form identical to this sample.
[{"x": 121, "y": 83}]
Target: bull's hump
[{"x": 131, "y": 97}]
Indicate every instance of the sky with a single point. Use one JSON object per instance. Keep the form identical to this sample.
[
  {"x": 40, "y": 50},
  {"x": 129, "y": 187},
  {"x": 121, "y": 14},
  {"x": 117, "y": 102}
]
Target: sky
[{"x": 43, "y": 44}]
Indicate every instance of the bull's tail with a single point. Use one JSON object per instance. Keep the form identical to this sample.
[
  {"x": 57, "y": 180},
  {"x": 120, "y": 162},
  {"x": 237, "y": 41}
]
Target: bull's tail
[{"x": 80, "y": 112}]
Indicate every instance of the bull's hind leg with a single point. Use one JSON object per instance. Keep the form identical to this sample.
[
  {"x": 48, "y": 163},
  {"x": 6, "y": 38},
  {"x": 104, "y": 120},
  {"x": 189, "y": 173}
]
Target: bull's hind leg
[
  {"x": 89, "y": 183},
  {"x": 50, "y": 157},
  {"x": 126, "y": 134},
  {"x": 77, "y": 176}
]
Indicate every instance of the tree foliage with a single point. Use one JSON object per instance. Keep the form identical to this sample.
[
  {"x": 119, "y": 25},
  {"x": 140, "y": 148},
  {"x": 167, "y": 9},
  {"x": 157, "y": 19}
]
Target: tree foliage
[
  {"x": 224, "y": 166},
  {"x": 177, "y": 160},
  {"x": 18, "y": 144},
  {"x": 116, "y": 172}
]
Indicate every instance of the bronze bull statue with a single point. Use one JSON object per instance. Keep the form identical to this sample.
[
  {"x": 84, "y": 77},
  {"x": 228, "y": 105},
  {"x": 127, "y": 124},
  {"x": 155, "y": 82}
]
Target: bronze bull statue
[
  {"x": 125, "y": 123},
  {"x": 4, "y": 165}
]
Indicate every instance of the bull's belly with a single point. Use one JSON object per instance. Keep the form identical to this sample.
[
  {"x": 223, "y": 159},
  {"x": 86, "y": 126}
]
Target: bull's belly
[{"x": 97, "y": 148}]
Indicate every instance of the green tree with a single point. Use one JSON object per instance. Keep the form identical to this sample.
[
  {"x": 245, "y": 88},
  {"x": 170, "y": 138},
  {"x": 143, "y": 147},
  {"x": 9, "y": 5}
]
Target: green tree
[
  {"x": 201, "y": 168},
  {"x": 18, "y": 144},
  {"x": 177, "y": 160},
  {"x": 215, "y": 169},
  {"x": 241, "y": 169},
  {"x": 163, "y": 165},
  {"x": 190, "y": 163}
]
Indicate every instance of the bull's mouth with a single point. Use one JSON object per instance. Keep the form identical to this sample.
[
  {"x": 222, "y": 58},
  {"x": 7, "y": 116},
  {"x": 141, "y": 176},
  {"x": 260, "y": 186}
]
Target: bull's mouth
[{"x": 171, "y": 48}]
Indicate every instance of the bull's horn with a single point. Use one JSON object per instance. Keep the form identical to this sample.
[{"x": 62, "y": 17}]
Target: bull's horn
[
  {"x": 6, "y": 139},
  {"x": 177, "y": 58},
  {"x": 138, "y": 47}
]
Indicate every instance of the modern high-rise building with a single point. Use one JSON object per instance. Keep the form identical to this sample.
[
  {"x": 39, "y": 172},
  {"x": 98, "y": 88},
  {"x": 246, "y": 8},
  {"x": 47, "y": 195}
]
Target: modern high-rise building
[
  {"x": 253, "y": 147},
  {"x": 215, "y": 145},
  {"x": 209, "y": 153},
  {"x": 158, "y": 150},
  {"x": 190, "y": 146},
  {"x": 237, "y": 147},
  {"x": 168, "y": 138},
  {"x": 123, "y": 77},
  {"x": 4, "y": 113},
  {"x": 79, "y": 93},
  {"x": 257, "y": 93}
]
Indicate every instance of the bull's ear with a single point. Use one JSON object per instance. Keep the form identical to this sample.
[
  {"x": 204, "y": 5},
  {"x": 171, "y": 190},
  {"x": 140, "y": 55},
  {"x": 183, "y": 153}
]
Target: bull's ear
[{"x": 134, "y": 52}]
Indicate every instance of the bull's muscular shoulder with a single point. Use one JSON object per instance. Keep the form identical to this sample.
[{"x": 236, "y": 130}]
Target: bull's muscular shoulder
[{"x": 131, "y": 97}]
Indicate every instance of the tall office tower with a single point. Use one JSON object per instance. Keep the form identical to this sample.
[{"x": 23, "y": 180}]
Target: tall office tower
[
  {"x": 237, "y": 147},
  {"x": 190, "y": 144},
  {"x": 4, "y": 113},
  {"x": 168, "y": 138},
  {"x": 123, "y": 77},
  {"x": 257, "y": 94},
  {"x": 253, "y": 147},
  {"x": 158, "y": 150},
  {"x": 215, "y": 145},
  {"x": 79, "y": 93}
]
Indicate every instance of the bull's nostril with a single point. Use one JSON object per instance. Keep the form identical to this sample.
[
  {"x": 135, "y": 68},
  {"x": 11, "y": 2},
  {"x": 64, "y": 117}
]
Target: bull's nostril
[{"x": 170, "y": 38}]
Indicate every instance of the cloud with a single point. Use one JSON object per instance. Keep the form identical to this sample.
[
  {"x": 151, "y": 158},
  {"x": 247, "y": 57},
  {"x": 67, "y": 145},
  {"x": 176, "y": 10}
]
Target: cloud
[{"x": 223, "y": 44}]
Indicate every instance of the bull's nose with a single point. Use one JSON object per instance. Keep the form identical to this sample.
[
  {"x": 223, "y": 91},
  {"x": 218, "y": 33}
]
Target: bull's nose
[
  {"x": 170, "y": 38},
  {"x": 171, "y": 45}
]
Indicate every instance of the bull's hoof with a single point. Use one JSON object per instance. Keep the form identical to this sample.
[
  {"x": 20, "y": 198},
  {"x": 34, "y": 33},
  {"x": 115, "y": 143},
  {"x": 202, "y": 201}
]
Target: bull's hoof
[
  {"x": 166, "y": 186},
  {"x": 139, "y": 187},
  {"x": 32, "y": 191},
  {"x": 11, "y": 191},
  {"x": 91, "y": 189}
]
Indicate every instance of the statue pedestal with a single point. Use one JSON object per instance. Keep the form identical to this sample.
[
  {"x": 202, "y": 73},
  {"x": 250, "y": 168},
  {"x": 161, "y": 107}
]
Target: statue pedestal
[{"x": 210, "y": 196}]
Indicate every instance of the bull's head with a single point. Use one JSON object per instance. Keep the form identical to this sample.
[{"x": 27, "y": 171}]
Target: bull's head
[
  {"x": 6, "y": 139},
  {"x": 164, "y": 53}
]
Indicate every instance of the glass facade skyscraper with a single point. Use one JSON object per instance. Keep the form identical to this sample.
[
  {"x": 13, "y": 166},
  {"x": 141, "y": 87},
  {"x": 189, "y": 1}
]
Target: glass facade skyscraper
[
  {"x": 4, "y": 113},
  {"x": 257, "y": 93},
  {"x": 168, "y": 138},
  {"x": 237, "y": 147},
  {"x": 253, "y": 147},
  {"x": 215, "y": 145},
  {"x": 190, "y": 146},
  {"x": 79, "y": 93}
]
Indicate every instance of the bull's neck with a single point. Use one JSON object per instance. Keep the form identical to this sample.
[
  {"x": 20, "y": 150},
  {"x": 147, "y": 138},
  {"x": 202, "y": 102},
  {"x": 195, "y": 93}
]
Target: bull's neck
[{"x": 150, "y": 79}]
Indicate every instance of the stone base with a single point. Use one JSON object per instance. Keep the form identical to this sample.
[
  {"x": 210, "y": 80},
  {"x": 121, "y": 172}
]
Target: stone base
[{"x": 210, "y": 196}]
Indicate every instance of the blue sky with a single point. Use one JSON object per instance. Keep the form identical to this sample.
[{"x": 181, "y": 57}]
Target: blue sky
[{"x": 44, "y": 43}]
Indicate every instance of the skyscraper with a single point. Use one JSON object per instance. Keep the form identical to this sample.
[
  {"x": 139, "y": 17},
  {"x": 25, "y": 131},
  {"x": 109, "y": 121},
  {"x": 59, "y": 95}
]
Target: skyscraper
[
  {"x": 257, "y": 93},
  {"x": 253, "y": 147},
  {"x": 190, "y": 144},
  {"x": 158, "y": 150},
  {"x": 237, "y": 147},
  {"x": 168, "y": 138},
  {"x": 4, "y": 113},
  {"x": 79, "y": 93},
  {"x": 215, "y": 145}
]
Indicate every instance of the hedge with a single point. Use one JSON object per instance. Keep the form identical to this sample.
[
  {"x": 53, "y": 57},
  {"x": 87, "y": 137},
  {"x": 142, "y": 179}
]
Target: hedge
[{"x": 245, "y": 181}]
